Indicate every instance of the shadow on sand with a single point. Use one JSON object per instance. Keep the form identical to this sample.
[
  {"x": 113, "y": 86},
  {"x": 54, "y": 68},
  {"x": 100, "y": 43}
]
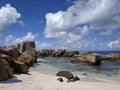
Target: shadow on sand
[{"x": 12, "y": 80}]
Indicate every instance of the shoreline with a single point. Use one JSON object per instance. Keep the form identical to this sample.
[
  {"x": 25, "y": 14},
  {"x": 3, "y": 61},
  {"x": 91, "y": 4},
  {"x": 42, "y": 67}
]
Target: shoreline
[
  {"x": 42, "y": 69},
  {"x": 107, "y": 75},
  {"x": 48, "y": 71},
  {"x": 42, "y": 78}
]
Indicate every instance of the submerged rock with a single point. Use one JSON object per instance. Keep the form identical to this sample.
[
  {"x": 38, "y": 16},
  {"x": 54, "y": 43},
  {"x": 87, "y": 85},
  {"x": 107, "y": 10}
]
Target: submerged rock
[{"x": 85, "y": 74}]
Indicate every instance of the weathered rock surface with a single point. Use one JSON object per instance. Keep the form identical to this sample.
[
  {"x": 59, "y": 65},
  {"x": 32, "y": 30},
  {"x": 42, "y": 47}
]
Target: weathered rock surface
[
  {"x": 9, "y": 59},
  {"x": 24, "y": 46},
  {"x": 65, "y": 74},
  {"x": 20, "y": 67},
  {"x": 71, "y": 53},
  {"x": 16, "y": 58},
  {"x": 80, "y": 54},
  {"x": 24, "y": 51},
  {"x": 11, "y": 51},
  {"x": 26, "y": 58},
  {"x": 87, "y": 58},
  {"x": 6, "y": 71},
  {"x": 112, "y": 56},
  {"x": 28, "y": 52},
  {"x": 56, "y": 53}
]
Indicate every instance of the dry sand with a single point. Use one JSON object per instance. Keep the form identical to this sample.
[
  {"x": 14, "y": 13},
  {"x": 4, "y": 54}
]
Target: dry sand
[{"x": 46, "y": 80}]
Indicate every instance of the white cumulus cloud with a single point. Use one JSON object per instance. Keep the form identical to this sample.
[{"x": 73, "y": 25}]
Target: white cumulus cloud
[
  {"x": 21, "y": 23},
  {"x": 115, "y": 44},
  {"x": 10, "y": 39},
  {"x": 82, "y": 18},
  {"x": 8, "y": 16},
  {"x": 43, "y": 45}
]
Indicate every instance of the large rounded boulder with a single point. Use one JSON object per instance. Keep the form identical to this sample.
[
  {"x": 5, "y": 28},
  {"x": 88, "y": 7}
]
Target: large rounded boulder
[
  {"x": 6, "y": 71},
  {"x": 28, "y": 52},
  {"x": 66, "y": 74},
  {"x": 11, "y": 51},
  {"x": 20, "y": 67},
  {"x": 87, "y": 58},
  {"x": 27, "y": 59}
]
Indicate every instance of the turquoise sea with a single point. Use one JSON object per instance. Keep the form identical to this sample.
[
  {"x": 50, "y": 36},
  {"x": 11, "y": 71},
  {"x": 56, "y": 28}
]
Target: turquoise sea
[{"x": 107, "y": 70}]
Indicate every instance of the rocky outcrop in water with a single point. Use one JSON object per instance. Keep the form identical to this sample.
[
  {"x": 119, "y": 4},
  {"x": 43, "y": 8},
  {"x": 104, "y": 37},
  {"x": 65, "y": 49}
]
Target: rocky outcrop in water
[
  {"x": 56, "y": 53},
  {"x": 112, "y": 56},
  {"x": 17, "y": 58},
  {"x": 84, "y": 57},
  {"x": 87, "y": 57}
]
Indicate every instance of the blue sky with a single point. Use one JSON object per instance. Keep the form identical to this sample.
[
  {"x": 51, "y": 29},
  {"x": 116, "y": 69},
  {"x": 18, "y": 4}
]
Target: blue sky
[{"x": 61, "y": 24}]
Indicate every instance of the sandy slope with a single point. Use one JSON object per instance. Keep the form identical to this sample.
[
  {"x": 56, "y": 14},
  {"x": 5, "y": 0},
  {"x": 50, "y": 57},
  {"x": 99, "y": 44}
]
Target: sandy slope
[{"x": 44, "y": 81}]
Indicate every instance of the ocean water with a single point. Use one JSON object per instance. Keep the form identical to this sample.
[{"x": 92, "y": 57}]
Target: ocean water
[{"x": 107, "y": 70}]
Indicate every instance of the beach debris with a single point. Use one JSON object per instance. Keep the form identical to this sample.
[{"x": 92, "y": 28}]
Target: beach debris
[{"x": 60, "y": 79}]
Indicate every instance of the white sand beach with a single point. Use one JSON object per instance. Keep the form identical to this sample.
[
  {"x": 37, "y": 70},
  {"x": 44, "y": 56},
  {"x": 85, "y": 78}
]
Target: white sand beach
[{"x": 47, "y": 80}]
